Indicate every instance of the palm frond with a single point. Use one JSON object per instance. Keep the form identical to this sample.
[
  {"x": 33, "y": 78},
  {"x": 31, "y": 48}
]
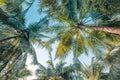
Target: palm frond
[
  {"x": 65, "y": 44},
  {"x": 27, "y": 9},
  {"x": 29, "y": 50},
  {"x": 56, "y": 28},
  {"x": 78, "y": 44},
  {"x": 23, "y": 72},
  {"x": 2, "y": 3},
  {"x": 113, "y": 58},
  {"x": 12, "y": 5},
  {"x": 8, "y": 66},
  {"x": 93, "y": 71},
  {"x": 36, "y": 27}
]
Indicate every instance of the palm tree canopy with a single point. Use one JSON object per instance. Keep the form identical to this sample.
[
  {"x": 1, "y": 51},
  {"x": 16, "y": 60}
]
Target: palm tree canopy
[
  {"x": 78, "y": 27},
  {"x": 18, "y": 35},
  {"x": 75, "y": 18}
]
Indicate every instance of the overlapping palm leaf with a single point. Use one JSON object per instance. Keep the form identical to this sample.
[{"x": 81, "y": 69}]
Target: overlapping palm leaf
[{"x": 112, "y": 58}]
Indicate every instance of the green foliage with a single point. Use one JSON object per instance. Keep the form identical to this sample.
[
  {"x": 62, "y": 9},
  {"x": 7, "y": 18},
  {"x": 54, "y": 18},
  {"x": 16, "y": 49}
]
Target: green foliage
[
  {"x": 113, "y": 58},
  {"x": 23, "y": 73},
  {"x": 2, "y": 2},
  {"x": 104, "y": 11},
  {"x": 60, "y": 71},
  {"x": 94, "y": 71},
  {"x": 65, "y": 44},
  {"x": 77, "y": 13},
  {"x": 78, "y": 46},
  {"x": 17, "y": 39}
]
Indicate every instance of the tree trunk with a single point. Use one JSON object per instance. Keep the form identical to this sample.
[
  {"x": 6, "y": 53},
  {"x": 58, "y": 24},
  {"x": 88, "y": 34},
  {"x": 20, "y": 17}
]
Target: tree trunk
[
  {"x": 5, "y": 39},
  {"x": 104, "y": 29}
]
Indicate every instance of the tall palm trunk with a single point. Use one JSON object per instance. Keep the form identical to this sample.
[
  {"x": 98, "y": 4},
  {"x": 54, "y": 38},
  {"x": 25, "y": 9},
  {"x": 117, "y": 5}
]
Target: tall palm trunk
[
  {"x": 104, "y": 29},
  {"x": 12, "y": 37}
]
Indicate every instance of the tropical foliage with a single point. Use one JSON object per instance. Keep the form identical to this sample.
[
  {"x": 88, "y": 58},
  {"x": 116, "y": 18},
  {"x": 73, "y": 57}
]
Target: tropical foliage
[
  {"x": 17, "y": 39},
  {"x": 77, "y": 25},
  {"x": 59, "y": 71},
  {"x": 113, "y": 59},
  {"x": 75, "y": 18}
]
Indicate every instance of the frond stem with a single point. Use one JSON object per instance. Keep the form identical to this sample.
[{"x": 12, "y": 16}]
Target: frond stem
[{"x": 12, "y": 37}]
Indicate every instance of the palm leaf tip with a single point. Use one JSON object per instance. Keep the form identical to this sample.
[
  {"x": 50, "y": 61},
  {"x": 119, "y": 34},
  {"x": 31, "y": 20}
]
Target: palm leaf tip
[
  {"x": 61, "y": 50},
  {"x": 64, "y": 46}
]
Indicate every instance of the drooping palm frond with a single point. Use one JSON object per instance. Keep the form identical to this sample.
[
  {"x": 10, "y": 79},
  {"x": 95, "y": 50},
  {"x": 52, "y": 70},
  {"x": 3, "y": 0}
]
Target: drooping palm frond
[
  {"x": 106, "y": 10},
  {"x": 93, "y": 71},
  {"x": 60, "y": 71},
  {"x": 23, "y": 73},
  {"x": 113, "y": 58},
  {"x": 13, "y": 14},
  {"x": 65, "y": 44},
  {"x": 17, "y": 67},
  {"x": 11, "y": 55},
  {"x": 93, "y": 41},
  {"x": 28, "y": 50},
  {"x": 37, "y": 27},
  {"x": 36, "y": 31},
  {"x": 70, "y": 9},
  {"x": 5, "y": 18},
  {"x": 106, "y": 6},
  {"x": 7, "y": 31},
  {"x": 78, "y": 46}
]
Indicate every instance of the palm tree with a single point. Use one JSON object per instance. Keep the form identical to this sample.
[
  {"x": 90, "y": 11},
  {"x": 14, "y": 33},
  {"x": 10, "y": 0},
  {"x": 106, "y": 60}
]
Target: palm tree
[
  {"x": 71, "y": 29},
  {"x": 74, "y": 30},
  {"x": 23, "y": 73},
  {"x": 59, "y": 71},
  {"x": 94, "y": 71},
  {"x": 18, "y": 36},
  {"x": 8, "y": 58}
]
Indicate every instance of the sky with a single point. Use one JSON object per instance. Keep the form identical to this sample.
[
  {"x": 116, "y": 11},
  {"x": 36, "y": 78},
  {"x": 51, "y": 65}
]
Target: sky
[{"x": 42, "y": 53}]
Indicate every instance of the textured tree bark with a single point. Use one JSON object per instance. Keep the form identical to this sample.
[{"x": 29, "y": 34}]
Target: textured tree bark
[
  {"x": 107, "y": 29},
  {"x": 104, "y": 29}
]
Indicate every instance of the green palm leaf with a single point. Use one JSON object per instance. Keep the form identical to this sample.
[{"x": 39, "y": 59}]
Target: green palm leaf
[{"x": 65, "y": 44}]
